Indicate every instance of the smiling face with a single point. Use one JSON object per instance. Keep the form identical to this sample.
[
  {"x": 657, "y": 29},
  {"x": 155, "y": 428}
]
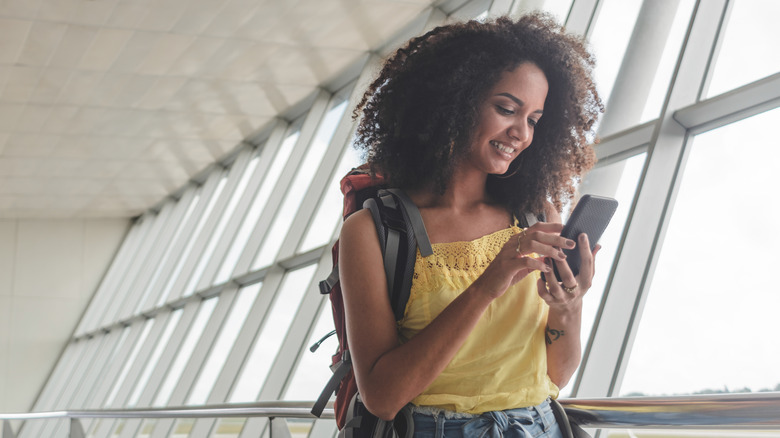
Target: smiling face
[{"x": 507, "y": 118}]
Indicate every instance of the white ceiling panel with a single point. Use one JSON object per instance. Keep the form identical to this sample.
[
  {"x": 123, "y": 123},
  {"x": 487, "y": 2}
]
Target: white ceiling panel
[
  {"x": 31, "y": 145},
  {"x": 128, "y": 14},
  {"x": 3, "y": 140},
  {"x": 13, "y": 33},
  {"x": 58, "y": 10},
  {"x": 163, "y": 16},
  {"x": 72, "y": 46},
  {"x": 18, "y": 167},
  {"x": 108, "y": 106},
  {"x": 196, "y": 56},
  {"x": 50, "y": 86},
  {"x": 105, "y": 49},
  {"x": 41, "y": 42},
  {"x": 9, "y": 114},
  {"x": 21, "y": 81},
  {"x": 163, "y": 55},
  {"x": 19, "y": 8},
  {"x": 94, "y": 13},
  {"x": 32, "y": 118}
]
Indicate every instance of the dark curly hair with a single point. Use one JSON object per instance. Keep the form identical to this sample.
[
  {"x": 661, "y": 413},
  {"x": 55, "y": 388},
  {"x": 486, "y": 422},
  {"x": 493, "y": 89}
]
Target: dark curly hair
[{"x": 419, "y": 114}]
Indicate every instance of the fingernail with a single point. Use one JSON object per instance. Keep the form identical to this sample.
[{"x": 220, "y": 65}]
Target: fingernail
[
  {"x": 582, "y": 237},
  {"x": 562, "y": 255},
  {"x": 570, "y": 243}
]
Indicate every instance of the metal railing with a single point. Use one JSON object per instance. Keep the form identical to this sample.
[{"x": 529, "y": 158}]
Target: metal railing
[{"x": 754, "y": 411}]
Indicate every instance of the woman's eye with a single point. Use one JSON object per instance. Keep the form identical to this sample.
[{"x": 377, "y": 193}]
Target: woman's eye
[
  {"x": 504, "y": 111},
  {"x": 533, "y": 122}
]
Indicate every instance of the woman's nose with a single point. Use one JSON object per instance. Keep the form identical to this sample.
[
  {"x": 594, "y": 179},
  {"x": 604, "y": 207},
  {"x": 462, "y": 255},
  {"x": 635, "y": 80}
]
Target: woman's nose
[{"x": 520, "y": 132}]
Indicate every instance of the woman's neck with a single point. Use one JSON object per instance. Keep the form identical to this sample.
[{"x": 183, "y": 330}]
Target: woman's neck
[{"x": 465, "y": 191}]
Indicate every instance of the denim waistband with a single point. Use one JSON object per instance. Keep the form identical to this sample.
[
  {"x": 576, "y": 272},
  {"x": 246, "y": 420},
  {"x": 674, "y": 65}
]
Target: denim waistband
[{"x": 506, "y": 423}]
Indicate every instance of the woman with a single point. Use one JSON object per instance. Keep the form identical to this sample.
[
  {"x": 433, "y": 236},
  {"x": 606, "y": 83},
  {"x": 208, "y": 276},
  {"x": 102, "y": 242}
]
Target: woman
[{"x": 477, "y": 123}]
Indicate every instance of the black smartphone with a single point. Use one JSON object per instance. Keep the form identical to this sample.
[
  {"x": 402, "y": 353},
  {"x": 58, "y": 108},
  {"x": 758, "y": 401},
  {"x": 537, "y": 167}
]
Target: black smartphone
[{"x": 591, "y": 216}]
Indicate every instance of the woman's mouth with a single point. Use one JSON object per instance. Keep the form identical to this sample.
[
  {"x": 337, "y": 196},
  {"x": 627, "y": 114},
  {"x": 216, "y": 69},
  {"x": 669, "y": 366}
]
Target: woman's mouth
[{"x": 509, "y": 151}]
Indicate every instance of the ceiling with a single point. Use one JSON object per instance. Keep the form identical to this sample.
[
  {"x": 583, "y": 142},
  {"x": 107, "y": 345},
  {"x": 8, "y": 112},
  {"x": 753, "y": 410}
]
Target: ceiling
[{"x": 107, "y": 106}]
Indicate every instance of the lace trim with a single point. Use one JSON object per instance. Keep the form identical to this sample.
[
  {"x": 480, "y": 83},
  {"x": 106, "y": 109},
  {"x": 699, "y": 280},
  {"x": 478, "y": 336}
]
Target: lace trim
[{"x": 458, "y": 264}]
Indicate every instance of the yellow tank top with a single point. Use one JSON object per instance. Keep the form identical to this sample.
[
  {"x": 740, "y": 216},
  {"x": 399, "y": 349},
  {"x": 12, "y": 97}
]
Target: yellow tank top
[{"x": 503, "y": 363}]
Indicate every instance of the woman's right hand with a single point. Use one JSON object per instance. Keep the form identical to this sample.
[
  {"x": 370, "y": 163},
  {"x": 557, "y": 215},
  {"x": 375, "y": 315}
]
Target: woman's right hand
[{"x": 523, "y": 254}]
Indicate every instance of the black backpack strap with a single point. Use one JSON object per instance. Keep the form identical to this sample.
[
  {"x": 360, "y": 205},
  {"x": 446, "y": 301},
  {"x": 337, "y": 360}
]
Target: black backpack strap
[
  {"x": 414, "y": 219},
  {"x": 340, "y": 370},
  {"x": 401, "y": 233},
  {"x": 527, "y": 219},
  {"x": 327, "y": 284}
]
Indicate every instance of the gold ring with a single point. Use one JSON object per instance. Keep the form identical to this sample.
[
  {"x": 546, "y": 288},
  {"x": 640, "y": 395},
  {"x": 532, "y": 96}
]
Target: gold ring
[{"x": 569, "y": 290}]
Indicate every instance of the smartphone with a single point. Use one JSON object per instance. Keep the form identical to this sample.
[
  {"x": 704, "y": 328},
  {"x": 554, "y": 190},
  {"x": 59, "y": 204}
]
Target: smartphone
[{"x": 591, "y": 216}]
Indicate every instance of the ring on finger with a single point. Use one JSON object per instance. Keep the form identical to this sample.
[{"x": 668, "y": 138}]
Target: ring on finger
[{"x": 568, "y": 290}]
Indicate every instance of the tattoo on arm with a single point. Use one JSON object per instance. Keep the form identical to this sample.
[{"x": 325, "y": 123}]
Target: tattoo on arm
[{"x": 552, "y": 335}]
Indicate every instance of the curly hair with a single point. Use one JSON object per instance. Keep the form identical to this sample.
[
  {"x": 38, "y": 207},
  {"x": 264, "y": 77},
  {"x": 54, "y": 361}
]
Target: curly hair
[{"x": 419, "y": 114}]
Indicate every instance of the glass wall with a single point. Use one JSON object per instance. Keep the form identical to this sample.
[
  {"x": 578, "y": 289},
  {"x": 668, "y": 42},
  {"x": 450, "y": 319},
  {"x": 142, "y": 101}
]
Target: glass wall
[
  {"x": 710, "y": 299},
  {"x": 212, "y": 297}
]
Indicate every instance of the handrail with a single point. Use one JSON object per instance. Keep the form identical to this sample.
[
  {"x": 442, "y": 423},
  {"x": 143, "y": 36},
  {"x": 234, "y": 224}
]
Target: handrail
[
  {"x": 285, "y": 409},
  {"x": 755, "y": 411}
]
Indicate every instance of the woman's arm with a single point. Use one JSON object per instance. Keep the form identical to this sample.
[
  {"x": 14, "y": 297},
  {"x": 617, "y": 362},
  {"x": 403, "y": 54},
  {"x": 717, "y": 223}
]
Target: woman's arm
[
  {"x": 564, "y": 320},
  {"x": 388, "y": 374}
]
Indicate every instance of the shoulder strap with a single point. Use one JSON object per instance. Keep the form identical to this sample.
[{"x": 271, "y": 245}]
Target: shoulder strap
[
  {"x": 528, "y": 219},
  {"x": 414, "y": 219},
  {"x": 401, "y": 232}
]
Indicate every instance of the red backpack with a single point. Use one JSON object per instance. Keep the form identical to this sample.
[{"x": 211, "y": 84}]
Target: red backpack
[{"x": 401, "y": 232}]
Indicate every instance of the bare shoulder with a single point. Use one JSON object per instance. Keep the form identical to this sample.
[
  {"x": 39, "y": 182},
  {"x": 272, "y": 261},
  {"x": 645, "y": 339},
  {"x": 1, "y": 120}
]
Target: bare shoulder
[
  {"x": 358, "y": 225},
  {"x": 359, "y": 250}
]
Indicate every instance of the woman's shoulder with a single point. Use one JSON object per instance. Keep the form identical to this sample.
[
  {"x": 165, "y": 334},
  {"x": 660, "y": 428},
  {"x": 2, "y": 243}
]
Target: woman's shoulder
[{"x": 358, "y": 222}]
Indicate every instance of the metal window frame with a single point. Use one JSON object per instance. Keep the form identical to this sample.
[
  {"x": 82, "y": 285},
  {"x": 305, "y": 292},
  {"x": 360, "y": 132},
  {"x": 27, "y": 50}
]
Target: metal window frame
[
  {"x": 610, "y": 343},
  {"x": 103, "y": 293},
  {"x": 181, "y": 287},
  {"x": 308, "y": 129}
]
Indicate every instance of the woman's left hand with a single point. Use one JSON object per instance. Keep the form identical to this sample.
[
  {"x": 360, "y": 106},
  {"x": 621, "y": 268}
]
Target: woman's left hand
[{"x": 571, "y": 289}]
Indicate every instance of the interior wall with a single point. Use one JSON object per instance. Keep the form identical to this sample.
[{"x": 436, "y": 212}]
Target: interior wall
[{"x": 49, "y": 270}]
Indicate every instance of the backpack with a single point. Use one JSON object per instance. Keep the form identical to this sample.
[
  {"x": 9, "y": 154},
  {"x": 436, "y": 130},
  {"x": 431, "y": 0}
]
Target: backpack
[{"x": 401, "y": 232}]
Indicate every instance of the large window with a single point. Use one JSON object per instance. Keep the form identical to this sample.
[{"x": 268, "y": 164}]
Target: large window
[
  {"x": 299, "y": 186},
  {"x": 748, "y": 51},
  {"x": 711, "y": 308}
]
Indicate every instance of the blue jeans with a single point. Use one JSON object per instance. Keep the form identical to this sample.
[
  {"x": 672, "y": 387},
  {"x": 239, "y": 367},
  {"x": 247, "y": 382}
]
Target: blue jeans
[{"x": 531, "y": 422}]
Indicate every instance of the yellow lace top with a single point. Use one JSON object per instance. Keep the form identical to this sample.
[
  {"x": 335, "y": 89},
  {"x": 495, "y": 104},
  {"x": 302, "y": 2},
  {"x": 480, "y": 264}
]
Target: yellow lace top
[{"x": 503, "y": 363}]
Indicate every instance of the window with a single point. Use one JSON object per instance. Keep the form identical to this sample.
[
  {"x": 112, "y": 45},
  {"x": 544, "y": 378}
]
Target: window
[
  {"x": 303, "y": 177},
  {"x": 152, "y": 285},
  {"x": 312, "y": 372},
  {"x": 185, "y": 254},
  {"x": 626, "y": 174},
  {"x": 151, "y": 363},
  {"x": 329, "y": 213},
  {"x": 258, "y": 205},
  {"x": 709, "y": 307},
  {"x": 271, "y": 336},
  {"x": 748, "y": 50},
  {"x": 221, "y": 349},
  {"x": 225, "y": 215},
  {"x": 185, "y": 351},
  {"x": 609, "y": 40},
  {"x": 109, "y": 403}
]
